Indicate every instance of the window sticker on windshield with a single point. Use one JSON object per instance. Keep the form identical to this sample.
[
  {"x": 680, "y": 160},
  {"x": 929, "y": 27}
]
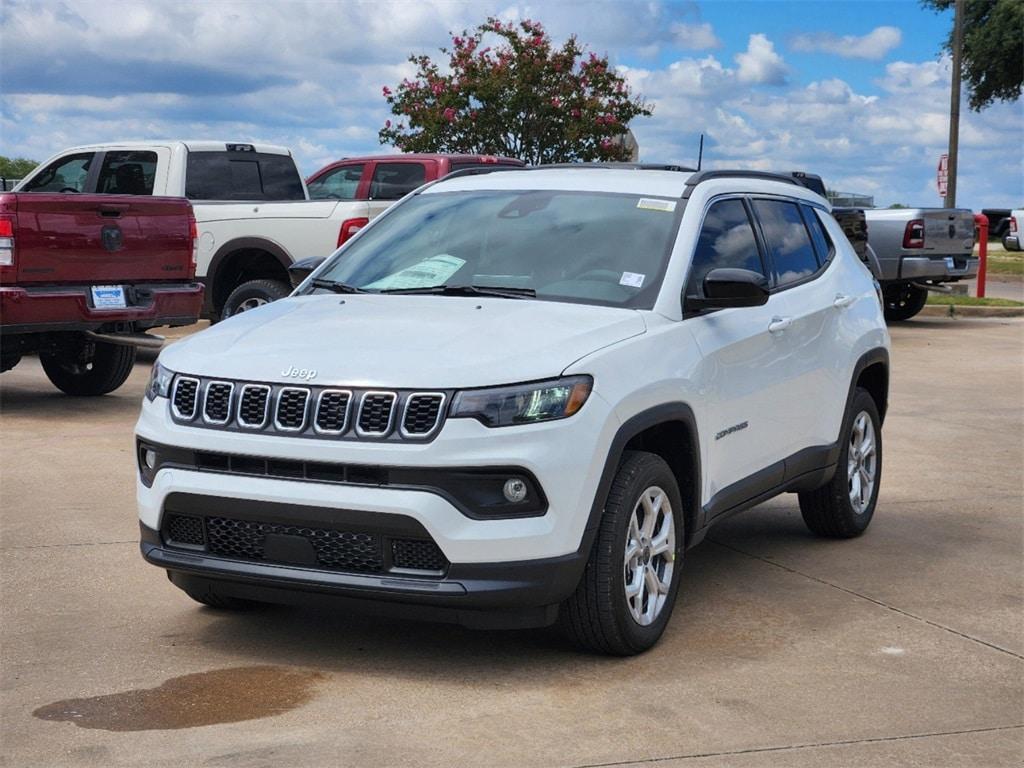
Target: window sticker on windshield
[
  {"x": 632, "y": 279},
  {"x": 429, "y": 272},
  {"x": 650, "y": 204}
]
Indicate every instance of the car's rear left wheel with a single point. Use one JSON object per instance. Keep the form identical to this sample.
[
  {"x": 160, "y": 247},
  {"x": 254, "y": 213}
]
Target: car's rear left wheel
[{"x": 628, "y": 589}]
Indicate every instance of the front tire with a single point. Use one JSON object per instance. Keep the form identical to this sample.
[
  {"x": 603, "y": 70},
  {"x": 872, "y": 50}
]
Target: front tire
[
  {"x": 95, "y": 368},
  {"x": 253, "y": 294},
  {"x": 625, "y": 598},
  {"x": 903, "y": 301},
  {"x": 843, "y": 508}
]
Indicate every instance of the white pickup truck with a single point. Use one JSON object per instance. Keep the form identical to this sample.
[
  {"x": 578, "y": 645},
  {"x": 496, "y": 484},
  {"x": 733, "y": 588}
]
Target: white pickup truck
[{"x": 251, "y": 205}]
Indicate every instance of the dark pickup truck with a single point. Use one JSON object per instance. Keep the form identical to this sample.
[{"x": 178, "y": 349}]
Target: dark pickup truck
[{"x": 82, "y": 277}]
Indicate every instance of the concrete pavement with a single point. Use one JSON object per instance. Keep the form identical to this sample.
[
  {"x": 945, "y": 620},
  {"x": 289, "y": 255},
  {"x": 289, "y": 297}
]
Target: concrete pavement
[{"x": 903, "y": 647}]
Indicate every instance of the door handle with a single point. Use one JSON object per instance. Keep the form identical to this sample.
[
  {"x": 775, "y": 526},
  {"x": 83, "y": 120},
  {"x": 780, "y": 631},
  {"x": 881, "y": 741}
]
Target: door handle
[
  {"x": 779, "y": 324},
  {"x": 843, "y": 301}
]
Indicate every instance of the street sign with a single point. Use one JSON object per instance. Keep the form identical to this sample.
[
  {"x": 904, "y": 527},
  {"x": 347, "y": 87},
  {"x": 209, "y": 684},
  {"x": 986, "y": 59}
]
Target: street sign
[{"x": 942, "y": 176}]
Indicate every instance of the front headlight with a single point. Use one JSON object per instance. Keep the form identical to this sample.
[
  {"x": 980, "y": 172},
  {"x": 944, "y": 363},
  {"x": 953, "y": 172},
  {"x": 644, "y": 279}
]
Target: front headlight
[
  {"x": 160, "y": 379},
  {"x": 523, "y": 403}
]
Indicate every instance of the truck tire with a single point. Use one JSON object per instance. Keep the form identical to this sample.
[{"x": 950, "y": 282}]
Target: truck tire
[
  {"x": 8, "y": 361},
  {"x": 252, "y": 294},
  {"x": 99, "y": 369},
  {"x": 903, "y": 301},
  {"x": 625, "y": 597},
  {"x": 843, "y": 508}
]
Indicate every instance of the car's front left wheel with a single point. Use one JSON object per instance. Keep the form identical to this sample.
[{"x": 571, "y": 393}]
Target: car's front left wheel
[{"x": 628, "y": 589}]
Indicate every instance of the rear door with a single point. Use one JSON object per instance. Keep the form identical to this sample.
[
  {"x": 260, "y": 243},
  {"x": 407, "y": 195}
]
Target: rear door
[
  {"x": 101, "y": 239},
  {"x": 391, "y": 180}
]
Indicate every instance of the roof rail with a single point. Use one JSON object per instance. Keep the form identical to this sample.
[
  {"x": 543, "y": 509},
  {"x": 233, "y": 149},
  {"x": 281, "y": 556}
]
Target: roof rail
[
  {"x": 616, "y": 166},
  {"x": 807, "y": 180},
  {"x": 477, "y": 170}
]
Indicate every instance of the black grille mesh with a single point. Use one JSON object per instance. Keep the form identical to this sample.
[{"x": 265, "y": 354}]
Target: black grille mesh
[
  {"x": 291, "y": 408},
  {"x": 185, "y": 529},
  {"x": 421, "y": 414},
  {"x": 252, "y": 411},
  {"x": 217, "y": 406},
  {"x": 185, "y": 397},
  {"x": 336, "y": 550},
  {"x": 375, "y": 412},
  {"x": 417, "y": 554},
  {"x": 332, "y": 412}
]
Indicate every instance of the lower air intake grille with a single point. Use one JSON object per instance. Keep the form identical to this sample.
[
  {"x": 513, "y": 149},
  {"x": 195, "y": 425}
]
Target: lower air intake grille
[
  {"x": 375, "y": 413},
  {"x": 421, "y": 413},
  {"x": 185, "y": 529},
  {"x": 336, "y": 550},
  {"x": 217, "y": 406},
  {"x": 417, "y": 555},
  {"x": 185, "y": 391}
]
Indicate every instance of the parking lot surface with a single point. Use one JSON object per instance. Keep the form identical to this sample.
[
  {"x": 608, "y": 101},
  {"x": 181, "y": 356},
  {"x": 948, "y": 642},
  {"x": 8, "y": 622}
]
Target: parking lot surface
[{"x": 903, "y": 647}]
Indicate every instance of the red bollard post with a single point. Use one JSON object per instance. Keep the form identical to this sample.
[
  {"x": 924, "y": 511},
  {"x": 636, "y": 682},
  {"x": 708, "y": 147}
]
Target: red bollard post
[{"x": 981, "y": 222}]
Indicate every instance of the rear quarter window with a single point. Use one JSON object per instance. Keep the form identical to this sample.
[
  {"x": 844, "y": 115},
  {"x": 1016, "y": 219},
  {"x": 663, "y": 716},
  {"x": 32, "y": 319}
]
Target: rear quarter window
[
  {"x": 787, "y": 239},
  {"x": 242, "y": 176}
]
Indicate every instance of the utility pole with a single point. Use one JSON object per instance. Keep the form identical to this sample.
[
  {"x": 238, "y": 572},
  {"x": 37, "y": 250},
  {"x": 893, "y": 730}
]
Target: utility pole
[{"x": 954, "y": 101}]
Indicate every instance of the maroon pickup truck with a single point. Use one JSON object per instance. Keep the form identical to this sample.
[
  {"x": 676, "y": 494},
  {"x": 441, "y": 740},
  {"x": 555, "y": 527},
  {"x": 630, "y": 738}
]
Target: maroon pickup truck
[{"x": 82, "y": 277}]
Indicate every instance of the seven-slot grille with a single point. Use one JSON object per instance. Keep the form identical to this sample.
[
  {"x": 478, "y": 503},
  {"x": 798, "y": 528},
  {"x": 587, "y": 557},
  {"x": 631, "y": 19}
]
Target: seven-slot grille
[
  {"x": 332, "y": 411},
  {"x": 375, "y": 413},
  {"x": 217, "y": 403},
  {"x": 308, "y": 411},
  {"x": 422, "y": 410},
  {"x": 254, "y": 405},
  {"x": 291, "y": 409},
  {"x": 186, "y": 392}
]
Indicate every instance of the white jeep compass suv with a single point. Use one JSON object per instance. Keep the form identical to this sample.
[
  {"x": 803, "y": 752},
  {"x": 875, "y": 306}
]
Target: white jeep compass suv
[{"x": 519, "y": 397}]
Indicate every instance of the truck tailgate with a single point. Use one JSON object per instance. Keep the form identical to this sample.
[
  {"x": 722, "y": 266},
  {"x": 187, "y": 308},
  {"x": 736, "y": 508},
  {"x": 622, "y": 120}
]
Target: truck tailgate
[
  {"x": 97, "y": 239},
  {"x": 948, "y": 231}
]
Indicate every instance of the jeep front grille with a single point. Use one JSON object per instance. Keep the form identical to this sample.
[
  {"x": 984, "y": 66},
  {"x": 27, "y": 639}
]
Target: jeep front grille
[{"x": 309, "y": 411}]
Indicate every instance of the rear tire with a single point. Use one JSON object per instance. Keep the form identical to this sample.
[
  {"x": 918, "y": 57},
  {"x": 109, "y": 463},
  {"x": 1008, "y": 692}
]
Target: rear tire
[
  {"x": 903, "y": 301},
  {"x": 601, "y": 616},
  {"x": 94, "y": 368},
  {"x": 8, "y": 361},
  {"x": 843, "y": 508},
  {"x": 253, "y": 294}
]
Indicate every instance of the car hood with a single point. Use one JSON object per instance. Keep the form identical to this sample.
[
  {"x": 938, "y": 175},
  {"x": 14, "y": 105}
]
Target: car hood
[{"x": 437, "y": 342}]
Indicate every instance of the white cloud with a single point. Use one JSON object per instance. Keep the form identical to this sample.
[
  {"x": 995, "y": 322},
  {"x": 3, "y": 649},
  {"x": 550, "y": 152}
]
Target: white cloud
[
  {"x": 875, "y": 45},
  {"x": 760, "y": 63},
  {"x": 694, "y": 37}
]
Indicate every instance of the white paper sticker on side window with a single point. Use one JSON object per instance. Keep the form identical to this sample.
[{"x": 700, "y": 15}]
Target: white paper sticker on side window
[
  {"x": 632, "y": 279},
  {"x": 650, "y": 204}
]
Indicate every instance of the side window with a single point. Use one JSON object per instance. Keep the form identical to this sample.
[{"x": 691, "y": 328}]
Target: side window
[
  {"x": 339, "y": 184},
  {"x": 127, "y": 173},
  {"x": 238, "y": 175},
  {"x": 394, "y": 180},
  {"x": 726, "y": 240},
  {"x": 65, "y": 173},
  {"x": 822, "y": 243},
  {"x": 786, "y": 237}
]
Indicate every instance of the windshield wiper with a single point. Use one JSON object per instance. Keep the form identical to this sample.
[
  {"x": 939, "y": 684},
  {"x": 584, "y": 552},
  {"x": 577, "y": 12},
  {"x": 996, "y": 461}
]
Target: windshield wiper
[
  {"x": 334, "y": 285},
  {"x": 468, "y": 290}
]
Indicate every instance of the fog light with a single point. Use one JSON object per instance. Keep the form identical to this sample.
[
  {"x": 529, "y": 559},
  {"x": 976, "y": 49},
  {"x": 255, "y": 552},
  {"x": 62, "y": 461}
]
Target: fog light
[
  {"x": 150, "y": 458},
  {"x": 514, "y": 490}
]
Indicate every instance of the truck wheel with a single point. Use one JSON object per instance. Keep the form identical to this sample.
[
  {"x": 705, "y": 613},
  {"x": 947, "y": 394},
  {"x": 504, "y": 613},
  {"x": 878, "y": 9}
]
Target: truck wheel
[
  {"x": 8, "y": 361},
  {"x": 95, "y": 369},
  {"x": 903, "y": 301},
  {"x": 844, "y": 507},
  {"x": 625, "y": 597},
  {"x": 252, "y": 294}
]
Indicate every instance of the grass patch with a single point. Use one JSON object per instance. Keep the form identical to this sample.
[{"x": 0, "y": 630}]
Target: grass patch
[
  {"x": 945, "y": 299},
  {"x": 1003, "y": 262}
]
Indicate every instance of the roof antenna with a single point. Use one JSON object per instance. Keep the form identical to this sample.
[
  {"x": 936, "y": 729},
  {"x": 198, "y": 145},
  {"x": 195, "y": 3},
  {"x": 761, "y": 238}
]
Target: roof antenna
[{"x": 700, "y": 152}]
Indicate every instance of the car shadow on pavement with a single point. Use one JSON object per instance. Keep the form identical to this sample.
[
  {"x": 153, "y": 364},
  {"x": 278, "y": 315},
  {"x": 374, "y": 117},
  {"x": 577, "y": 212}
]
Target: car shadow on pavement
[{"x": 52, "y": 404}]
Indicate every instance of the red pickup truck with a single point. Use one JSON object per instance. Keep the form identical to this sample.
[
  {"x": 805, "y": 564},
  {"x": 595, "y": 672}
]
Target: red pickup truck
[{"x": 82, "y": 277}]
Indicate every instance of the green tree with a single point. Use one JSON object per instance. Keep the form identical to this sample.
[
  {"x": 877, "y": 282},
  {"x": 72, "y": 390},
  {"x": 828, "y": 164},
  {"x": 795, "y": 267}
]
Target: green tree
[
  {"x": 522, "y": 97},
  {"x": 15, "y": 167},
  {"x": 993, "y": 55}
]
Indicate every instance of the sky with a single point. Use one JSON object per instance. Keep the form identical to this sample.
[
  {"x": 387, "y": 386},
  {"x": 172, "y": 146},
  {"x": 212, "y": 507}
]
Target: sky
[{"x": 857, "y": 92}]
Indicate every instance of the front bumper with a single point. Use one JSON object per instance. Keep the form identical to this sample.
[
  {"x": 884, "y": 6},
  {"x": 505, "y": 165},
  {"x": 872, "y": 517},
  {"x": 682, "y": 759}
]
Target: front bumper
[
  {"x": 68, "y": 308},
  {"x": 938, "y": 268}
]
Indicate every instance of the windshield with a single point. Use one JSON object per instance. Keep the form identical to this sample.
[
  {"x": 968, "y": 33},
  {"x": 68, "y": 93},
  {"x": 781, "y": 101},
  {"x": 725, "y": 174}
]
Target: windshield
[{"x": 587, "y": 247}]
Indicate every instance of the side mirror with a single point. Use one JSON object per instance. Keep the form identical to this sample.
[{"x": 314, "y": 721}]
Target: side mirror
[
  {"x": 301, "y": 269},
  {"x": 728, "y": 287}
]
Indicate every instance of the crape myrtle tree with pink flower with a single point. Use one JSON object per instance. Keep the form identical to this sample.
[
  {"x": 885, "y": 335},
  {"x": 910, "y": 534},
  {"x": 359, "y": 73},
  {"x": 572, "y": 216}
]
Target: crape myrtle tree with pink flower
[{"x": 521, "y": 97}]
